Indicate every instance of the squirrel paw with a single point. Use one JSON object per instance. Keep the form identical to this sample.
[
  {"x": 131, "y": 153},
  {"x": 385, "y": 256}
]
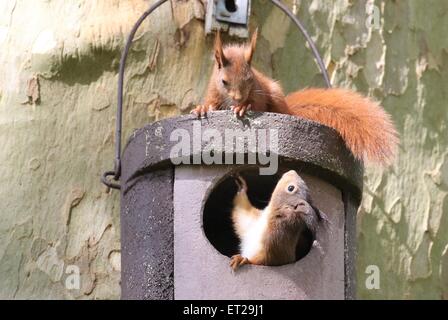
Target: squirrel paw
[
  {"x": 240, "y": 111},
  {"x": 241, "y": 183},
  {"x": 201, "y": 110},
  {"x": 237, "y": 261}
]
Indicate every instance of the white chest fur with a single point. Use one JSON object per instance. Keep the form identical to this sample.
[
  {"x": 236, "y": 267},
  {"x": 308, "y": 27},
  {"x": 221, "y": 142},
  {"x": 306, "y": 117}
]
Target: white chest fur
[{"x": 252, "y": 240}]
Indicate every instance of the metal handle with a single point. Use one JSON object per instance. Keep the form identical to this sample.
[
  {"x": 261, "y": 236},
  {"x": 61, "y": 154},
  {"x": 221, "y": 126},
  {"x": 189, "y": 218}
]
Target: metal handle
[
  {"x": 299, "y": 25},
  {"x": 119, "y": 120}
]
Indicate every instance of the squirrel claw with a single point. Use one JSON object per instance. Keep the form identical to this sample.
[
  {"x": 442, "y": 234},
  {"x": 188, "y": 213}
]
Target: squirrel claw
[
  {"x": 240, "y": 111},
  {"x": 241, "y": 183},
  {"x": 237, "y": 261},
  {"x": 201, "y": 110},
  {"x": 197, "y": 111}
]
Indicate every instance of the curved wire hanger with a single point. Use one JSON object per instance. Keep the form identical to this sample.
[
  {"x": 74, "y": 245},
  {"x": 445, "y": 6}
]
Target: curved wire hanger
[{"x": 116, "y": 173}]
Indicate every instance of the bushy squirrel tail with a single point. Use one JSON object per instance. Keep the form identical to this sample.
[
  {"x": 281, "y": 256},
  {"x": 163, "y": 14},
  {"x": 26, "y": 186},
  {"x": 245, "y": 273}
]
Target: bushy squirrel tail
[{"x": 367, "y": 129}]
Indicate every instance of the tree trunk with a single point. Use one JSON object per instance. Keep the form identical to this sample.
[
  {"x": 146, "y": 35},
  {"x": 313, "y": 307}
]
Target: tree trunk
[{"x": 58, "y": 67}]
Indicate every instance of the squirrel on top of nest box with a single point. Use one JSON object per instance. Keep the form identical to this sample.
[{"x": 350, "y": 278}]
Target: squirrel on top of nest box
[
  {"x": 270, "y": 236},
  {"x": 362, "y": 123}
]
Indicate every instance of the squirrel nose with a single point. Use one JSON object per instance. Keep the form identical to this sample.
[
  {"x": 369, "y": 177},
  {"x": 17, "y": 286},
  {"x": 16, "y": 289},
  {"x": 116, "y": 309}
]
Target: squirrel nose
[
  {"x": 300, "y": 204},
  {"x": 237, "y": 96}
]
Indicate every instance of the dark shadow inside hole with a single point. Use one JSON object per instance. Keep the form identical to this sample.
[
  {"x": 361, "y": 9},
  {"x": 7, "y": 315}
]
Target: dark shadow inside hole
[
  {"x": 217, "y": 221},
  {"x": 231, "y": 5}
]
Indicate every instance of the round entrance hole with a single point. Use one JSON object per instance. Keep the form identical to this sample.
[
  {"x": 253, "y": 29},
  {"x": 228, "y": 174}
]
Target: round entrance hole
[{"x": 217, "y": 222}]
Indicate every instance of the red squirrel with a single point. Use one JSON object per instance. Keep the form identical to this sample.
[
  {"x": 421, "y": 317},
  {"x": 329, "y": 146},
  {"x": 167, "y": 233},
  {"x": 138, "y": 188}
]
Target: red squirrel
[
  {"x": 270, "y": 236},
  {"x": 363, "y": 124}
]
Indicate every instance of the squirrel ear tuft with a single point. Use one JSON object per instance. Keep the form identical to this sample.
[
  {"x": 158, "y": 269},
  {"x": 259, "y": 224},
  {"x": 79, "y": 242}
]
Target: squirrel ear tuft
[
  {"x": 221, "y": 60},
  {"x": 248, "y": 54}
]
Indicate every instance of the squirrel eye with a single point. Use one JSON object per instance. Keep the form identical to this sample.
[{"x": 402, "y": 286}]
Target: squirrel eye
[
  {"x": 224, "y": 82},
  {"x": 291, "y": 188}
]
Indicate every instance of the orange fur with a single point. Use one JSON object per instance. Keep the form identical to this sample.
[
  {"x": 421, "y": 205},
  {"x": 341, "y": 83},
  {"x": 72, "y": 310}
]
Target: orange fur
[
  {"x": 271, "y": 236},
  {"x": 365, "y": 127}
]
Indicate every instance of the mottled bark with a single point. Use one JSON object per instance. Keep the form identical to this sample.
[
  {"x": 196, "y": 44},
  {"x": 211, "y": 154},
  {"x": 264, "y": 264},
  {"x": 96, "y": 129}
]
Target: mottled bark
[{"x": 58, "y": 74}]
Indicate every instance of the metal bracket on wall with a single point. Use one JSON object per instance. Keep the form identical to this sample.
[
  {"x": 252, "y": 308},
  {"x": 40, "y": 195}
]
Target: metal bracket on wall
[
  {"x": 234, "y": 11},
  {"x": 228, "y": 15}
]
